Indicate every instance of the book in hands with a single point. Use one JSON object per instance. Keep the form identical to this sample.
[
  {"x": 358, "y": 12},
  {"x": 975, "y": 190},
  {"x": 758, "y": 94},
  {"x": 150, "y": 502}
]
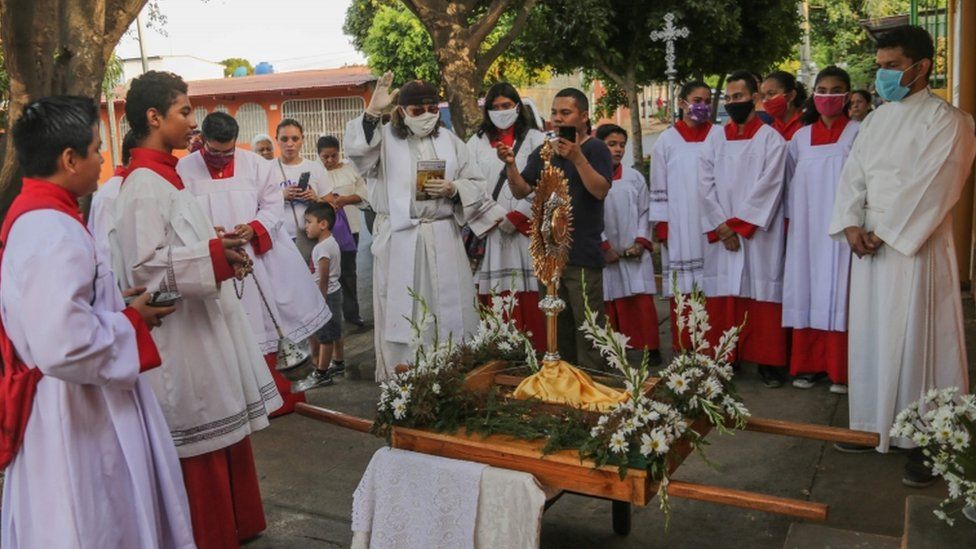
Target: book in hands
[{"x": 428, "y": 169}]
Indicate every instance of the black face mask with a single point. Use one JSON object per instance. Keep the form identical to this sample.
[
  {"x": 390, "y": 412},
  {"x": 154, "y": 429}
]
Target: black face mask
[{"x": 740, "y": 111}]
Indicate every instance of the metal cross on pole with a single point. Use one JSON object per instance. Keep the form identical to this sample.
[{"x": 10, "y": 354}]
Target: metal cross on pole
[{"x": 669, "y": 34}]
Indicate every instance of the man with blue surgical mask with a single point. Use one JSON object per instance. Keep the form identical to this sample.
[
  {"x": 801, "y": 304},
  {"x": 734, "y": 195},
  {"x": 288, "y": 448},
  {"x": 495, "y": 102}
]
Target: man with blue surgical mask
[{"x": 904, "y": 174}]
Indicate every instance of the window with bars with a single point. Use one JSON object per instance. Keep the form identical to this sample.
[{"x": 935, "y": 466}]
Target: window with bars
[
  {"x": 252, "y": 120},
  {"x": 221, "y": 108},
  {"x": 199, "y": 114},
  {"x": 932, "y": 15},
  {"x": 324, "y": 116}
]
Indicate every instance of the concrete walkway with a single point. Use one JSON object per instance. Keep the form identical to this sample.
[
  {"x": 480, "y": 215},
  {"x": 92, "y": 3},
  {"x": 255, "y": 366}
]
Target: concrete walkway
[{"x": 309, "y": 471}]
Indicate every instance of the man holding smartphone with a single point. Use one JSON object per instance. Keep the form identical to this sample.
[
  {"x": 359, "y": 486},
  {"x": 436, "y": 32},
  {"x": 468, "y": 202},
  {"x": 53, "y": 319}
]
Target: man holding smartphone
[{"x": 588, "y": 166}]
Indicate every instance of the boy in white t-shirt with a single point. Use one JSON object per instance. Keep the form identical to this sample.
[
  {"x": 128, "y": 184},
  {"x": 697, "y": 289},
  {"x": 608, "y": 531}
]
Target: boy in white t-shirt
[{"x": 326, "y": 258}]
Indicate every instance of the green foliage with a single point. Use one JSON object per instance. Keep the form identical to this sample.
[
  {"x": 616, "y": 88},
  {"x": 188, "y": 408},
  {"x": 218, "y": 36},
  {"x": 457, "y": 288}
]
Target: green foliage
[
  {"x": 113, "y": 75},
  {"x": 836, "y": 37},
  {"x": 231, "y": 63},
  {"x": 393, "y": 39}
]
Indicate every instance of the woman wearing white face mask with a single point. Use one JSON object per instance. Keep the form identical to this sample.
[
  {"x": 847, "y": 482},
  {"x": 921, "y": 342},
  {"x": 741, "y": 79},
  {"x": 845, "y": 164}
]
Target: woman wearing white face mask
[
  {"x": 507, "y": 265},
  {"x": 417, "y": 236}
]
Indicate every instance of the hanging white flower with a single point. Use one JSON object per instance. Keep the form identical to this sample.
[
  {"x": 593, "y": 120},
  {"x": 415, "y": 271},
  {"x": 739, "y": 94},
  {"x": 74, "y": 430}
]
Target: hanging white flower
[{"x": 618, "y": 443}]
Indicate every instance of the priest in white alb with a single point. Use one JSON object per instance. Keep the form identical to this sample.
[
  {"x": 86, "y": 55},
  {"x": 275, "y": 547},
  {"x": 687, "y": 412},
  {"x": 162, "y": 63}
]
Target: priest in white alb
[
  {"x": 905, "y": 173},
  {"x": 86, "y": 450},
  {"x": 417, "y": 244},
  {"x": 239, "y": 192}
]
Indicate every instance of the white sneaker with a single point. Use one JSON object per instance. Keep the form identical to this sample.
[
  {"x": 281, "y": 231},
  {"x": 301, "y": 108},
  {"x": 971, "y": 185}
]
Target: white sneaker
[
  {"x": 838, "y": 388},
  {"x": 802, "y": 382}
]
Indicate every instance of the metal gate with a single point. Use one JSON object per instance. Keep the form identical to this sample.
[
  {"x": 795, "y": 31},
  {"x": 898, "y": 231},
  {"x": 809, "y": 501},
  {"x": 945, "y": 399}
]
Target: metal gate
[{"x": 324, "y": 116}]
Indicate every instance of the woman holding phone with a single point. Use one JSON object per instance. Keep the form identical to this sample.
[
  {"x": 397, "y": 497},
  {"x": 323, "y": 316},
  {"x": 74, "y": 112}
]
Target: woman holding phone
[{"x": 302, "y": 181}]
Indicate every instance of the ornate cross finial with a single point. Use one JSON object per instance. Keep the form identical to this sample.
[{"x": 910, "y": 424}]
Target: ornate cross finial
[{"x": 669, "y": 34}]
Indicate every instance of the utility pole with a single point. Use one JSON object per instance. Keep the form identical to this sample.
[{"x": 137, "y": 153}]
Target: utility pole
[
  {"x": 807, "y": 70},
  {"x": 142, "y": 46}
]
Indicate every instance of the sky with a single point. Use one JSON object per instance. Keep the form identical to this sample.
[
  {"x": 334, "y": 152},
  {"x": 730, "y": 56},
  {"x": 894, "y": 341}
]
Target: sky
[{"x": 290, "y": 34}]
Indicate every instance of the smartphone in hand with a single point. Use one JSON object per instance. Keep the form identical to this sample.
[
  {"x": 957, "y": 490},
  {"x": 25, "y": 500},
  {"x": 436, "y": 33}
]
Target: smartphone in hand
[
  {"x": 303, "y": 181},
  {"x": 568, "y": 133}
]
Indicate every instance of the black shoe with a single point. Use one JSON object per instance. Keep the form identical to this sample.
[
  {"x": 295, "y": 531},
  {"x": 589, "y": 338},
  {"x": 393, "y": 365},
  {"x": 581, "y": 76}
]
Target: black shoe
[
  {"x": 917, "y": 475},
  {"x": 357, "y": 321},
  {"x": 850, "y": 448},
  {"x": 318, "y": 378},
  {"x": 772, "y": 377},
  {"x": 336, "y": 368}
]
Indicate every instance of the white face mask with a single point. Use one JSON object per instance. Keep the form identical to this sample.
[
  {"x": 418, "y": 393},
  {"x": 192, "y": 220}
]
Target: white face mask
[
  {"x": 422, "y": 125},
  {"x": 504, "y": 120}
]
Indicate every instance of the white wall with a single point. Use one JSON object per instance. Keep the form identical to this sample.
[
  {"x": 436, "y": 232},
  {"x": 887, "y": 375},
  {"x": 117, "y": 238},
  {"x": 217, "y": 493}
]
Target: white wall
[{"x": 190, "y": 68}]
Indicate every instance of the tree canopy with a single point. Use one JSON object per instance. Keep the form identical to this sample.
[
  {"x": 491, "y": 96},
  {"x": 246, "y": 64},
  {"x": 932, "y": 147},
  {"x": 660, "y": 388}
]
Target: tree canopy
[{"x": 232, "y": 63}]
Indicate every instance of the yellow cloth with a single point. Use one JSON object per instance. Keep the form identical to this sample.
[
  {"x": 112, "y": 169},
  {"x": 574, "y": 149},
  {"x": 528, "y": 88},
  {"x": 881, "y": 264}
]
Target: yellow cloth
[{"x": 562, "y": 383}]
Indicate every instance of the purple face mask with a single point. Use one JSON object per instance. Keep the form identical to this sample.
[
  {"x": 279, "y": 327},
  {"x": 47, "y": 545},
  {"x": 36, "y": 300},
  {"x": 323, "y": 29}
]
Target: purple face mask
[{"x": 700, "y": 113}]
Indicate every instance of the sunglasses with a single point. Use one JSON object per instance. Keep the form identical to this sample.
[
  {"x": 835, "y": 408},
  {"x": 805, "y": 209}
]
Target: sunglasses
[{"x": 417, "y": 110}]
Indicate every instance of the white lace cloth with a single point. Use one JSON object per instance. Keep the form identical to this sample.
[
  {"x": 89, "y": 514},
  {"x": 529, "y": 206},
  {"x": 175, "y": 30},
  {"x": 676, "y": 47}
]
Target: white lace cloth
[{"x": 407, "y": 500}]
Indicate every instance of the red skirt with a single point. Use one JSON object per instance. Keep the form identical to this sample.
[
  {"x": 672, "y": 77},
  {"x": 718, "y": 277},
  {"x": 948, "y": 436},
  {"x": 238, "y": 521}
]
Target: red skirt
[
  {"x": 224, "y": 496},
  {"x": 816, "y": 351},
  {"x": 763, "y": 340},
  {"x": 528, "y": 316},
  {"x": 635, "y": 317},
  {"x": 289, "y": 398}
]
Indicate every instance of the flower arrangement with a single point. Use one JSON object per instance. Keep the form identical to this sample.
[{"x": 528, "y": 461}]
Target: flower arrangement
[
  {"x": 943, "y": 424},
  {"x": 498, "y": 337},
  {"x": 641, "y": 431}
]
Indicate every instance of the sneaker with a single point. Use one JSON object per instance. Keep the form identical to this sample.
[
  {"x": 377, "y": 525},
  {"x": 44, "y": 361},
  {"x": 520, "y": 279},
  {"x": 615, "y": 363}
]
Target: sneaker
[
  {"x": 838, "y": 388},
  {"x": 849, "y": 448},
  {"x": 804, "y": 381},
  {"x": 317, "y": 378},
  {"x": 771, "y": 376},
  {"x": 336, "y": 368}
]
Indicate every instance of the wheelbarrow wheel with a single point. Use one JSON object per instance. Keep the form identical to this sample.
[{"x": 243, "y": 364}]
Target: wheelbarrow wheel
[{"x": 621, "y": 517}]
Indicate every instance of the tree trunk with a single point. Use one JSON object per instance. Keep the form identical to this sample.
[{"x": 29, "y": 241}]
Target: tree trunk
[
  {"x": 55, "y": 47},
  {"x": 462, "y": 83},
  {"x": 636, "y": 132},
  {"x": 717, "y": 96}
]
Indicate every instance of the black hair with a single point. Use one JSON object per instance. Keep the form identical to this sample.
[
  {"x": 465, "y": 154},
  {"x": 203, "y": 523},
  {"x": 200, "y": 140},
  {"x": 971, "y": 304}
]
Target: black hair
[
  {"x": 866, "y": 95},
  {"x": 523, "y": 123},
  {"x": 320, "y": 211},
  {"x": 606, "y": 130},
  {"x": 128, "y": 143},
  {"x": 327, "y": 142},
  {"x": 789, "y": 84},
  {"x": 289, "y": 122},
  {"x": 219, "y": 127},
  {"x": 582, "y": 103},
  {"x": 153, "y": 90},
  {"x": 810, "y": 114},
  {"x": 48, "y": 127},
  {"x": 690, "y": 87},
  {"x": 744, "y": 76},
  {"x": 915, "y": 42}
]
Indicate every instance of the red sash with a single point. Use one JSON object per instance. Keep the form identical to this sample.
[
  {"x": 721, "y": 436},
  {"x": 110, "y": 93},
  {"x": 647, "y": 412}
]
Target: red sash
[{"x": 18, "y": 381}]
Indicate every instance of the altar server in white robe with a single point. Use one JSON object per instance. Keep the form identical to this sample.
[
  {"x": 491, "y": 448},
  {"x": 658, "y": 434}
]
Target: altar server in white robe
[
  {"x": 103, "y": 201},
  {"x": 507, "y": 264},
  {"x": 238, "y": 192},
  {"x": 904, "y": 175},
  {"x": 214, "y": 386},
  {"x": 675, "y": 207},
  {"x": 417, "y": 244},
  {"x": 628, "y": 278},
  {"x": 741, "y": 190},
  {"x": 817, "y": 267},
  {"x": 95, "y": 465}
]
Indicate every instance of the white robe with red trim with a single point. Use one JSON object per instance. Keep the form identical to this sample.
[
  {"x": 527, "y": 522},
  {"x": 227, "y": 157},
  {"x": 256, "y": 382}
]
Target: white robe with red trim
[
  {"x": 675, "y": 200},
  {"x": 507, "y": 265},
  {"x": 905, "y": 173},
  {"x": 817, "y": 267},
  {"x": 253, "y": 194},
  {"x": 97, "y": 467},
  {"x": 625, "y": 218},
  {"x": 214, "y": 386},
  {"x": 744, "y": 179}
]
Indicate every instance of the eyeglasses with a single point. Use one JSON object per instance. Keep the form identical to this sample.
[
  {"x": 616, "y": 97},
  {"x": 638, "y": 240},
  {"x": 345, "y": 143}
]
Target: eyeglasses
[
  {"x": 417, "y": 110},
  {"x": 212, "y": 152}
]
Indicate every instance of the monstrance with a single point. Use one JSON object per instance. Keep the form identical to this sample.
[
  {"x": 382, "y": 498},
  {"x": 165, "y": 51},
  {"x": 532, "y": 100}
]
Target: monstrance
[{"x": 551, "y": 237}]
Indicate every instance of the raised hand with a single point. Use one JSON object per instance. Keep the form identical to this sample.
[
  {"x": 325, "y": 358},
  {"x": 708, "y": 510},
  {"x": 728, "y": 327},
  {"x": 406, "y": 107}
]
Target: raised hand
[{"x": 383, "y": 99}]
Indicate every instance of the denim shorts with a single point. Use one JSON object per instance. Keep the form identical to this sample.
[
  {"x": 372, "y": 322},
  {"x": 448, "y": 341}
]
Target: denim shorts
[{"x": 332, "y": 331}]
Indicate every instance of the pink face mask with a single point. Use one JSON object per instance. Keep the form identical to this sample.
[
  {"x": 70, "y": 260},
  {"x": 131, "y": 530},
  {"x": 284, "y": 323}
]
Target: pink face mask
[{"x": 830, "y": 104}]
